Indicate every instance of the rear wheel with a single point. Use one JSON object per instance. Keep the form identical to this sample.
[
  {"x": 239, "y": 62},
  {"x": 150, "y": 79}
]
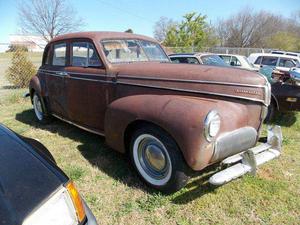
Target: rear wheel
[
  {"x": 158, "y": 159},
  {"x": 39, "y": 108}
]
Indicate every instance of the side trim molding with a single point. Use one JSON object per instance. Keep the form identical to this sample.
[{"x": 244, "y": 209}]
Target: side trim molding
[{"x": 79, "y": 126}]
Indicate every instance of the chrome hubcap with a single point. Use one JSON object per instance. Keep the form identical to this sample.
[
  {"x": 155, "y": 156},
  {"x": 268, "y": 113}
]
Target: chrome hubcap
[
  {"x": 37, "y": 107},
  {"x": 152, "y": 159},
  {"x": 155, "y": 157}
]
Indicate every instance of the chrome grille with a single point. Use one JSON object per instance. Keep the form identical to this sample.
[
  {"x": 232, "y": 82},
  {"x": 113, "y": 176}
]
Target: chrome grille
[{"x": 234, "y": 142}]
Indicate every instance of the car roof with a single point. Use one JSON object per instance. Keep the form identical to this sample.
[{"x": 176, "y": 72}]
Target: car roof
[
  {"x": 101, "y": 35},
  {"x": 231, "y": 55},
  {"x": 191, "y": 54},
  {"x": 274, "y": 55}
]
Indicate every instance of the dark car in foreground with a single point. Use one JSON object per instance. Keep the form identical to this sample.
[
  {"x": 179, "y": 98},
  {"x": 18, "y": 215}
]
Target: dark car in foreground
[{"x": 33, "y": 190}]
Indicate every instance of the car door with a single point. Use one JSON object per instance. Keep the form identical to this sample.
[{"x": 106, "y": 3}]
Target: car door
[
  {"x": 54, "y": 73},
  {"x": 86, "y": 86}
]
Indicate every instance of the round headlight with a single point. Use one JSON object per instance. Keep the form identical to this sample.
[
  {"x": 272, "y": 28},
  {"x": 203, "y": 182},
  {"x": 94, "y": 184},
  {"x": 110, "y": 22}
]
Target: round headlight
[{"x": 212, "y": 125}]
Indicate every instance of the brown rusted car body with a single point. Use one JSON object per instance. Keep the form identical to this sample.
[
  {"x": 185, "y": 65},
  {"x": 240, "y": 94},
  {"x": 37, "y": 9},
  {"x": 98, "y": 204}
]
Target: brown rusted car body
[{"x": 115, "y": 98}]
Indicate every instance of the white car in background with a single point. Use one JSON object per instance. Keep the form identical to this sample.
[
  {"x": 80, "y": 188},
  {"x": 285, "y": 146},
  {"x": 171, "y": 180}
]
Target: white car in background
[
  {"x": 281, "y": 62},
  {"x": 297, "y": 54},
  {"x": 238, "y": 61}
]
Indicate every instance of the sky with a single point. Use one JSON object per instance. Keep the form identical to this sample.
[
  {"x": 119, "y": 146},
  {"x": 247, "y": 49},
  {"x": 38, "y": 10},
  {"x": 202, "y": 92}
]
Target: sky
[{"x": 140, "y": 16}]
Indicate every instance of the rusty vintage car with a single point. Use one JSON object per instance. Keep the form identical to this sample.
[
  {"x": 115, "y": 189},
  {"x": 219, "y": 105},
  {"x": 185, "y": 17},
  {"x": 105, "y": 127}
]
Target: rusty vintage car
[{"x": 170, "y": 118}]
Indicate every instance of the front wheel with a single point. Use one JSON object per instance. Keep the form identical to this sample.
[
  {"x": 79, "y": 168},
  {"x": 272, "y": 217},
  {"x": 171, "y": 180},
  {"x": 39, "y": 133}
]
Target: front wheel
[{"x": 157, "y": 159}]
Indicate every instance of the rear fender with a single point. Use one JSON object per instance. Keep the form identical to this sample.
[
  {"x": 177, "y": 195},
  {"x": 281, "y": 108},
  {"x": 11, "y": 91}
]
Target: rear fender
[{"x": 35, "y": 86}]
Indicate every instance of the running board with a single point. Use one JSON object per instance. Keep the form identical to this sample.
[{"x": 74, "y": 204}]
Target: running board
[{"x": 249, "y": 160}]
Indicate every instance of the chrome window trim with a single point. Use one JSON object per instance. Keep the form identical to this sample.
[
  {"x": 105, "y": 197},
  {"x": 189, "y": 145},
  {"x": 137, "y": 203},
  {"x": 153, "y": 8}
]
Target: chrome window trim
[
  {"x": 79, "y": 78},
  {"x": 76, "y": 73}
]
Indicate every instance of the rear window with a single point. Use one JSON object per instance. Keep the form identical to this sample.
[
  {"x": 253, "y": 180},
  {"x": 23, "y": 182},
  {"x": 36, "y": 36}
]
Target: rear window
[
  {"x": 226, "y": 59},
  {"x": 258, "y": 60},
  {"x": 59, "y": 54},
  {"x": 189, "y": 60},
  {"x": 213, "y": 60},
  {"x": 285, "y": 62},
  {"x": 235, "y": 61}
]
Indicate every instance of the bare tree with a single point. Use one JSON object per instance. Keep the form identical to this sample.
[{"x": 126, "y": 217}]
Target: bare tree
[
  {"x": 248, "y": 28},
  {"x": 48, "y": 18},
  {"x": 161, "y": 27}
]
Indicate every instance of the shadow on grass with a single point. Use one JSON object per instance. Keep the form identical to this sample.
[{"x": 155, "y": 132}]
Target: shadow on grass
[
  {"x": 116, "y": 165},
  {"x": 197, "y": 187},
  {"x": 93, "y": 148}
]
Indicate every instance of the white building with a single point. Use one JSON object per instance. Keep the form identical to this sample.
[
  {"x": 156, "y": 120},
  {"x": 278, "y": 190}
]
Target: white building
[{"x": 33, "y": 43}]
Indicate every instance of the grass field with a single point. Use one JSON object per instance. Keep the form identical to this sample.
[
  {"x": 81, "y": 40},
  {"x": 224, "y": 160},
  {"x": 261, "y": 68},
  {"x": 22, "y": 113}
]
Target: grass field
[{"x": 117, "y": 196}]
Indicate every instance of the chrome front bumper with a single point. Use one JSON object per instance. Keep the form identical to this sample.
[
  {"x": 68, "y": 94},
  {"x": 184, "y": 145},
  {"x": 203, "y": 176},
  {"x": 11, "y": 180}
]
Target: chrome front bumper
[{"x": 248, "y": 161}]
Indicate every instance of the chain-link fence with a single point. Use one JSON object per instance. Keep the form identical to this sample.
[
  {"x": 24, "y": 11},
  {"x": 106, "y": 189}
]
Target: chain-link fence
[{"x": 221, "y": 50}]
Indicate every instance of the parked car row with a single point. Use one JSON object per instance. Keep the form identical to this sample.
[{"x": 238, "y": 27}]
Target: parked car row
[{"x": 280, "y": 70}]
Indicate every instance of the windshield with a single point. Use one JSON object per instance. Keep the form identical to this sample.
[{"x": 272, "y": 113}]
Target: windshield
[
  {"x": 213, "y": 60},
  {"x": 124, "y": 51}
]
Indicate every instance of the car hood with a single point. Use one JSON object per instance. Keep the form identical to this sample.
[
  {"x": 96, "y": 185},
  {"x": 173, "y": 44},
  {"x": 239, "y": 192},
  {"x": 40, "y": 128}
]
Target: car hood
[
  {"x": 25, "y": 180},
  {"x": 214, "y": 80}
]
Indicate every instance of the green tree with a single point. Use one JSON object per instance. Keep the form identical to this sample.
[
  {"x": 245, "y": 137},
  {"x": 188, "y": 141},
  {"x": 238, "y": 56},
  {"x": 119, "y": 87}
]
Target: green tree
[
  {"x": 191, "y": 32},
  {"x": 285, "y": 41},
  {"x": 21, "y": 70}
]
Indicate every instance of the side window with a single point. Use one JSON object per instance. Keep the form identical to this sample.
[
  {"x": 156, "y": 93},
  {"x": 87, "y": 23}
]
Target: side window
[
  {"x": 47, "y": 59},
  {"x": 226, "y": 59},
  {"x": 192, "y": 60},
  {"x": 235, "y": 61},
  {"x": 269, "y": 61},
  {"x": 94, "y": 60},
  {"x": 284, "y": 62},
  {"x": 179, "y": 60},
  {"x": 84, "y": 55},
  {"x": 258, "y": 60},
  {"x": 59, "y": 54},
  {"x": 175, "y": 60}
]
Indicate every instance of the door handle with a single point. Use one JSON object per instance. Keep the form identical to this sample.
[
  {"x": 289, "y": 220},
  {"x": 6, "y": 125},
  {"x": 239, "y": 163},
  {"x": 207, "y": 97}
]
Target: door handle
[{"x": 62, "y": 73}]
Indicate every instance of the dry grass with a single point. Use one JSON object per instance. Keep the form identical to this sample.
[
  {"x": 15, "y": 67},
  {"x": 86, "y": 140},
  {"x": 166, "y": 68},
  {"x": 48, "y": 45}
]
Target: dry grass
[{"x": 117, "y": 196}]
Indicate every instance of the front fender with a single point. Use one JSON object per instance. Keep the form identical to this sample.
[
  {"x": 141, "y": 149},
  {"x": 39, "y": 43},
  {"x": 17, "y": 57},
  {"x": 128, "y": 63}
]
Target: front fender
[{"x": 181, "y": 116}]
